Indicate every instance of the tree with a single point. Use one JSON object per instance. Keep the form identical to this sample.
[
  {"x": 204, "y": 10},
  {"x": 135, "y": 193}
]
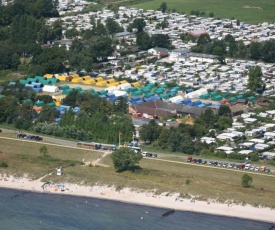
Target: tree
[
  {"x": 225, "y": 111},
  {"x": 268, "y": 51},
  {"x": 255, "y": 78},
  {"x": 139, "y": 24},
  {"x": 43, "y": 151},
  {"x": 203, "y": 39},
  {"x": 150, "y": 132},
  {"x": 143, "y": 40},
  {"x": 161, "y": 40},
  {"x": 113, "y": 27},
  {"x": 163, "y": 7},
  {"x": 125, "y": 159},
  {"x": 211, "y": 14},
  {"x": 255, "y": 50},
  {"x": 246, "y": 181},
  {"x": 52, "y": 59}
]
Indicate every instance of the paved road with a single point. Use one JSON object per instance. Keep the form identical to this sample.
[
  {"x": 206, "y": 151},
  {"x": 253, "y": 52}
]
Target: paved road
[{"x": 160, "y": 155}]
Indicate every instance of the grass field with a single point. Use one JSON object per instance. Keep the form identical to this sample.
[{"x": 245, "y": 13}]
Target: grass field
[
  {"x": 24, "y": 158},
  {"x": 251, "y": 11}
]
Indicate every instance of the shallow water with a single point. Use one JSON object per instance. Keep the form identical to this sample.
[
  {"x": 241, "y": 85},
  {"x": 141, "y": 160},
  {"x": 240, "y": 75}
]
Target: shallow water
[{"x": 28, "y": 210}]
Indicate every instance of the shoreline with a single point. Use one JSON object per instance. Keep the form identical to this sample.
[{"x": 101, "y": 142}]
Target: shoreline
[{"x": 126, "y": 195}]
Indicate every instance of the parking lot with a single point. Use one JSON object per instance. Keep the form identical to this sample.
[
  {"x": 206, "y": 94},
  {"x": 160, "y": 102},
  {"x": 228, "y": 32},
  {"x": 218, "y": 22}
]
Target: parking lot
[{"x": 241, "y": 166}]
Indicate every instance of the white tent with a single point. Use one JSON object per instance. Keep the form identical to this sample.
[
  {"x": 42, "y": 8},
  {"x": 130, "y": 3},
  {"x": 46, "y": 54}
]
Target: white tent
[
  {"x": 120, "y": 93},
  {"x": 50, "y": 88}
]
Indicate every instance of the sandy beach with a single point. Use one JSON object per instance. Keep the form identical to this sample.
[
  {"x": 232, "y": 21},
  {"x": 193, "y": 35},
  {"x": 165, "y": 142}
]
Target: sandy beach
[{"x": 169, "y": 201}]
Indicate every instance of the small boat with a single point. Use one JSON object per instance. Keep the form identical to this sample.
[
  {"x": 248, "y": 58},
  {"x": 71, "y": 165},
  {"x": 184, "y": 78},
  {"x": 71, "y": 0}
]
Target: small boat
[{"x": 168, "y": 213}]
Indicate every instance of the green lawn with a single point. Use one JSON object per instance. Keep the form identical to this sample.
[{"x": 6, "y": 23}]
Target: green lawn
[{"x": 221, "y": 8}]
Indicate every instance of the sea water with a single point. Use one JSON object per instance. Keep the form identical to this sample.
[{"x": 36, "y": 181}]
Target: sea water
[{"x": 28, "y": 210}]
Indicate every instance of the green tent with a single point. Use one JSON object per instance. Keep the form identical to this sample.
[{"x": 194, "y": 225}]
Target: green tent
[
  {"x": 164, "y": 86},
  {"x": 39, "y": 103},
  {"x": 240, "y": 96},
  {"x": 90, "y": 90},
  {"x": 204, "y": 96},
  {"x": 78, "y": 88},
  {"x": 217, "y": 98},
  {"x": 102, "y": 92},
  {"x": 63, "y": 87},
  {"x": 251, "y": 98},
  {"x": 2, "y": 96},
  {"x": 67, "y": 91},
  {"x": 213, "y": 94},
  {"x": 137, "y": 93},
  {"x": 164, "y": 96},
  {"x": 232, "y": 99},
  {"x": 149, "y": 95},
  {"x": 51, "y": 104}
]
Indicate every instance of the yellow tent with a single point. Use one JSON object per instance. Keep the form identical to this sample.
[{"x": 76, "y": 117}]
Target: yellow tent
[
  {"x": 48, "y": 75},
  {"x": 98, "y": 79},
  {"x": 61, "y": 78},
  {"x": 111, "y": 81},
  {"x": 77, "y": 80},
  {"x": 135, "y": 84},
  {"x": 57, "y": 103},
  {"x": 74, "y": 75},
  {"x": 114, "y": 84},
  {"x": 101, "y": 83},
  {"x": 89, "y": 82},
  {"x": 86, "y": 78}
]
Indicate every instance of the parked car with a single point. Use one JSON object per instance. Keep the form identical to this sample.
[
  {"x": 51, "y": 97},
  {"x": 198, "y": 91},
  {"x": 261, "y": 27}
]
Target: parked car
[
  {"x": 144, "y": 154},
  {"x": 262, "y": 168},
  {"x": 220, "y": 164},
  {"x": 247, "y": 167},
  {"x": 267, "y": 170},
  {"x": 225, "y": 165},
  {"x": 241, "y": 166},
  {"x": 199, "y": 161},
  {"x": 0, "y": 130},
  {"x": 194, "y": 160},
  {"x": 21, "y": 135},
  {"x": 154, "y": 155},
  {"x": 257, "y": 168},
  {"x": 215, "y": 163},
  {"x": 189, "y": 159}
]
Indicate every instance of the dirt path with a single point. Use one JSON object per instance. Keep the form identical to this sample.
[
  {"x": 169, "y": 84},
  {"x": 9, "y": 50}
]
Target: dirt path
[{"x": 98, "y": 160}]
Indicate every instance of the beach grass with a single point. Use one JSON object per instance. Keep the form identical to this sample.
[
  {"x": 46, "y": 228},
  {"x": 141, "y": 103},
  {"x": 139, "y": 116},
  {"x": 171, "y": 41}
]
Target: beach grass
[
  {"x": 250, "y": 11},
  {"x": 155, "y": 175}
]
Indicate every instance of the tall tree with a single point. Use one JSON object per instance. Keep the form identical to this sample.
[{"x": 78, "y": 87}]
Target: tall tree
[
  {"x": 163, "y": 7},
  {"x": 139, "y": 24},
  {"x": 113, "y": 27},
  {"x": 149, "y": 132},
  {"x": 268, "y": 51},
  {"x": 255, "y": 50},
  {"x": 143, "y": 40},
  {"x": 161, "y": 40},
  {"x": 255, "y": 78}
]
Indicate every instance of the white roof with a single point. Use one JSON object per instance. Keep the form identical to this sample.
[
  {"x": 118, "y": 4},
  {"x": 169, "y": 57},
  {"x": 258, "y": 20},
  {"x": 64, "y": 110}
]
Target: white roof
[
  {"x": 225, "y": 148},
  {"x": 245, "y": 152}
]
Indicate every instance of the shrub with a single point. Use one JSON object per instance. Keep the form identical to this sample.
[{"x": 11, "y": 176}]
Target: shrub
[{"x": 3, "y": 164}]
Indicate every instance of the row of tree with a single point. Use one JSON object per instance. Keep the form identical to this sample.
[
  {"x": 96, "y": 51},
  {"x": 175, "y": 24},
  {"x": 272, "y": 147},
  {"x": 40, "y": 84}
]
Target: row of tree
[{"x": 232, "y": 48}]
